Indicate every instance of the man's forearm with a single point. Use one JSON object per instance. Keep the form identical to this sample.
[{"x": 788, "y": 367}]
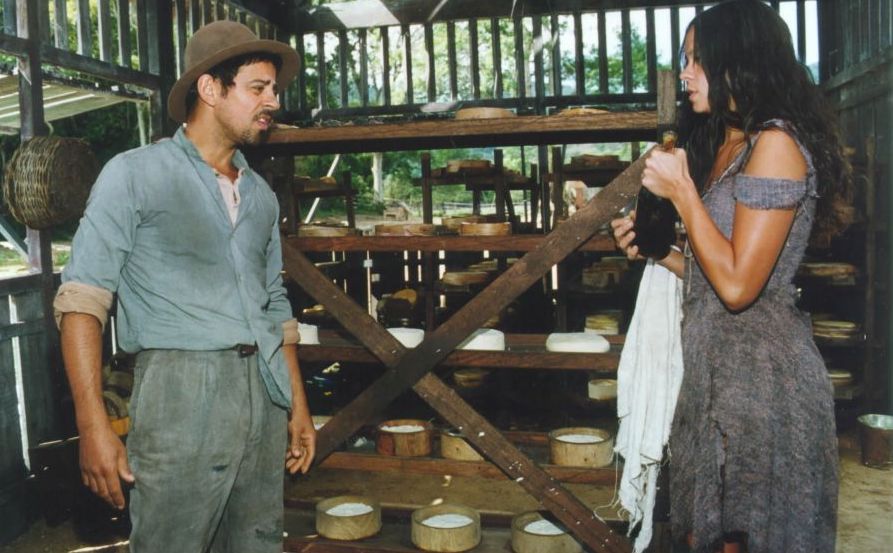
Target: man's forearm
[
  {"x": 299, "y": 398},
  {"x": 82, "y": 354}
]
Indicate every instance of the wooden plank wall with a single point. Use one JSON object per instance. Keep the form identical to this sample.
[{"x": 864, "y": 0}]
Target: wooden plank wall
[
  {"x": 523, "y": 42},
  {"x": 857, "y": 72}
]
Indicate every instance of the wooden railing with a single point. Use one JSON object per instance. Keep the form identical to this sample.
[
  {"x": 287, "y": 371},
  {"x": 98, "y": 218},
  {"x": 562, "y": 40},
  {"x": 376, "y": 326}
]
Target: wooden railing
[{"x": 377, "y": 58}]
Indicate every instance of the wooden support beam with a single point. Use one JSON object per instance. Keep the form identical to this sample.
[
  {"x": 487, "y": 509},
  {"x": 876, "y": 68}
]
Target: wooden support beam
[
  {"x": 364, "y": 68},
  {"x": 450, "y": 133},
  {"x": 322, "y": 87},
  {"x": 85, "y": 39},
  {"x": 556, "y": 54},
  {"x": 181, "y": 33},
  {"x": 651, "y": 49},
  {"x": 104, "y": 17},
  {"x": 451, "y": 61},
  {"x": 195, "y": 15},
  {"x": 479, "y": 469},
  {"x": 473, "y": 56},
  {"x": 602, "y": 52},
  {"x": 496, "y": 40},
  {"x": 579, "y": 68},
  {"x": 60, "y": 24},
  {"x": 431, "y": 77},
  {"x": 627, "y": 51},
  {"x": 124, "y": 48},
  {"x": 342, "y": 67},
  {"x": 142, "y": 34},
  {"x": 520, "y": 64},
  {"x": 407, "y": 59},
  {"x": 385, "y": 66},
  {"x": 539, "y": 85}
]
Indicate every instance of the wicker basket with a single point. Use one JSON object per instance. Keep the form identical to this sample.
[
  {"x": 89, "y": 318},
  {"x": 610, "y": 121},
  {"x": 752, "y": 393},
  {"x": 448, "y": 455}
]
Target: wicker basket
[{"x": 48, "y": 180}]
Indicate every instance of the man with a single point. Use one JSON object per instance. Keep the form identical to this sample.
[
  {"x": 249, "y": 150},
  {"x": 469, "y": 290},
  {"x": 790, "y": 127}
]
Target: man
[{"x": 187, "y": 236}]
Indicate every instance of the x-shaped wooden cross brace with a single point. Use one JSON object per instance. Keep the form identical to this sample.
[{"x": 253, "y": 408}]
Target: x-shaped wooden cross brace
[{"x": 412, "y": 367}]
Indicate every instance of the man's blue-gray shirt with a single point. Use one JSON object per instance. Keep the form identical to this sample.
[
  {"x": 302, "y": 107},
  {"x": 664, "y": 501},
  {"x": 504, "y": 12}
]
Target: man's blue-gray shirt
[{"x": 156, "y": 231}]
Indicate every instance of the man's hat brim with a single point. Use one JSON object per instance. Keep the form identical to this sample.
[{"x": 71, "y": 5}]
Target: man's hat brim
[{"x": 176, "y": 100}]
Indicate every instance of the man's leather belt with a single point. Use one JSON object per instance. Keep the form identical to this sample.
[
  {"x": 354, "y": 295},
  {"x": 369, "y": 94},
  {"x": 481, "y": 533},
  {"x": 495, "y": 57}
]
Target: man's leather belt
[{"x": 245, "y": 350}]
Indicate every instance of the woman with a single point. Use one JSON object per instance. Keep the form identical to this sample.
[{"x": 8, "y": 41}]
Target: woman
[{"x": 753, "y": 446}]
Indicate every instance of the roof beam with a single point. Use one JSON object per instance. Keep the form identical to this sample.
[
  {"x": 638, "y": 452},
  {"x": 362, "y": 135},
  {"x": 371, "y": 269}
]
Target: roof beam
[{"x": 376, "y": 13}]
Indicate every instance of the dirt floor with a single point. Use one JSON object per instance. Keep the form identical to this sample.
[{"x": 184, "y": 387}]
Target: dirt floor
[{"x": 865, "y": 513}]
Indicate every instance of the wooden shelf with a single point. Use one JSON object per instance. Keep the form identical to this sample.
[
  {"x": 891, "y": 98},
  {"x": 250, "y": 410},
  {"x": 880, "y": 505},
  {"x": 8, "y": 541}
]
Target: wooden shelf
[
  {"x": 466, "y": 133},
  {"x": 371, "y": 462},
  {"x": 514, "y": 243},
  {"x": 524, "y": 351}
]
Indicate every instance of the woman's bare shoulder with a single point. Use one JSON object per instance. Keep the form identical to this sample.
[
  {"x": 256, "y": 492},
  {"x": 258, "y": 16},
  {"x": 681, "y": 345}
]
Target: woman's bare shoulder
[{"x": 776, "y": 155}]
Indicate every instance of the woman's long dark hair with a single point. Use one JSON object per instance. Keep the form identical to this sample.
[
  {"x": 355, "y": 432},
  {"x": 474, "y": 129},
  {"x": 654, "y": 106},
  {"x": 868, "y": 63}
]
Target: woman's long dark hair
[{"x": 747, "y": 54}]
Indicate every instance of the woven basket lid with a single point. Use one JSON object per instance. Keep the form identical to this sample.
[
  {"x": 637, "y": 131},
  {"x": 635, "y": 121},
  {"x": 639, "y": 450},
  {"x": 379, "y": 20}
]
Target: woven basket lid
[{"x": 48, "y": 180}]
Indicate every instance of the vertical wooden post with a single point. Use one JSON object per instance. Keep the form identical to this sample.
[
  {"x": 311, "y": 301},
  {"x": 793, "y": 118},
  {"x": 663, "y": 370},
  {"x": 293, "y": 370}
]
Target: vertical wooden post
[
  {"x": 364, "y": 69},
  {"x": 499, "y": 184},
  {"x": 539, "y": 81},
  {"x": 10, "y": 17},
  {"x": 85, "y": 40},
  {"x": 556, "y": 55},
  {"x": 579, "y": 69},
  {"x": 160, "y": 24},
  {"x": 181, "y": 33},
  {"x": 301, "y": 81},
  {"x": 801, "y": 30},
  {"x": 520, "y": 65},
  {"x": 451, "y": 60},
  {"x": 195, "y": 15},
  {"x": 142, "y": 34},
  {"x": 342, "y": 66},
  {"x": 675, "y": 42},
  {"x": 60, "y": 27},
  {"x": 385, "y": 66},
  {"x": 651, "y": 50},
  {"x": 103, "y": 12},
  {"x": 427, "y": 189},
  {"x": 602, "y": 52},
  {"x": 124, "y": 49},
  {"x": 627, "y": 48},
  {"x": 322, "y": 99},
  {"x": 475, "y": 65},
  {"x": 407, "y": 59},
  {"x": 208, "y": 13},
  {"x": 40, "y": 401},
  {"x": 496, "y": 39},
  {"x": 429, "y": 51}
]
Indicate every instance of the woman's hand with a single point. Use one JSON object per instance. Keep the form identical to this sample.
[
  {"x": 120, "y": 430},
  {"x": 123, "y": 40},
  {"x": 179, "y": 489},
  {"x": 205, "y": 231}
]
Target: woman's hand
[
  {"x": 624, "y": 235},
  {"x": 666, "y": 174}
]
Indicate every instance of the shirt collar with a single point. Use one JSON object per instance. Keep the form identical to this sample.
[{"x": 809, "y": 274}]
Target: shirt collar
[{"x": 181, "y": 140}]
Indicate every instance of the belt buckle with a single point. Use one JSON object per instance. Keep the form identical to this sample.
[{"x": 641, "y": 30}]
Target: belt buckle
[{"x": 246, "y": 350}]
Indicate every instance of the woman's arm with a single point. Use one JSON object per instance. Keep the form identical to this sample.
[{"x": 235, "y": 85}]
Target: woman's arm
[{"x": 738, "y": 268}]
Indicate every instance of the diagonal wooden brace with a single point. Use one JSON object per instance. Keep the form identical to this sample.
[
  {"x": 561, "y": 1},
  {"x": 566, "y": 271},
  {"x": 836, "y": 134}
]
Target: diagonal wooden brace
[{"x": 411, "y": 367}]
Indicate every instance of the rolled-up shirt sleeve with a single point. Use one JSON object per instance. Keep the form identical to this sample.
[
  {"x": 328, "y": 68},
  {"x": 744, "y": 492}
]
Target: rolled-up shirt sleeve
[
  {"x": 76, "y": 297},
  {"x": 290, "y": 332},
  {"x": 101, "y": 244}
]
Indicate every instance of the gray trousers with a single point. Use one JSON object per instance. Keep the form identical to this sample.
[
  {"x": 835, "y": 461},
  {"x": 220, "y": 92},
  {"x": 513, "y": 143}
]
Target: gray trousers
[{"x": 207, "y": 448}]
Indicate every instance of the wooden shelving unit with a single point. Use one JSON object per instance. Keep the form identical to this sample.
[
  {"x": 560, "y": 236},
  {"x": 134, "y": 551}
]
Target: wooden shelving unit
[{"x": 523, "y": 351}]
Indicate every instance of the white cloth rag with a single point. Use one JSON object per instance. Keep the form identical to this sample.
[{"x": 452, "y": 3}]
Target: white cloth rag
[{"x": 648, "y": 381}]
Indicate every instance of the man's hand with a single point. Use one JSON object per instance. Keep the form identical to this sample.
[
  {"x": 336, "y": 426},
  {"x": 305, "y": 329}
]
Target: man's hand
[
  {"x": 104, "y": 464},
  {"x": 301, "y": 442}
]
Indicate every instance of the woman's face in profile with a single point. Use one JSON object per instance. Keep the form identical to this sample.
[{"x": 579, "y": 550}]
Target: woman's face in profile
[{"x": 694, "y": 80}]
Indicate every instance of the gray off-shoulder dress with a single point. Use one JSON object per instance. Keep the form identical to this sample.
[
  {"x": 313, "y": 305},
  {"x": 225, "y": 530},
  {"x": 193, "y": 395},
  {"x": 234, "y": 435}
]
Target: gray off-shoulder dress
[{"x": 753, "y": 448}]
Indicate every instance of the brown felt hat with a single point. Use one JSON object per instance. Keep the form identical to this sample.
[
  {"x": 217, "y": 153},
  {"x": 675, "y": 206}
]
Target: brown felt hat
[{"x": 217, "y": 42}]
